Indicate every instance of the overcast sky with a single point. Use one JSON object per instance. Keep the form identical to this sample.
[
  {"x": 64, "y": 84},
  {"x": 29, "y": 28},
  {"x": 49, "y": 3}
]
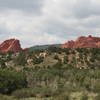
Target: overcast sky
[{"x": 36, "y": 22}]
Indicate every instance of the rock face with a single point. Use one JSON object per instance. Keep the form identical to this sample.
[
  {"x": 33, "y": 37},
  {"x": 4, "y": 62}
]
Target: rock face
[
  {"x": 11, "y": 45},
  {"x": 83, "y": 42}
]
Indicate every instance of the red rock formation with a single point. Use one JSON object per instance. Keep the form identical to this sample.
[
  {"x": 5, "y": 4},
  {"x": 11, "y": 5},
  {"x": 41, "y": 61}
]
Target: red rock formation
[
  {"x": 83, "y": 42},
  {"x": 10, "y": 45}
]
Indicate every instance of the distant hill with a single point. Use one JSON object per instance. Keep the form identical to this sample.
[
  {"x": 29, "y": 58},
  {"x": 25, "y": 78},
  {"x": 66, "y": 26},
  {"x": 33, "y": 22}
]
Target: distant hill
[{"x": 42, "y": 47}]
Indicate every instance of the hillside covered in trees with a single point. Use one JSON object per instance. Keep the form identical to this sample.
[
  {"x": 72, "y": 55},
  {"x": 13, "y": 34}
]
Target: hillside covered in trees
[{"x": 52, "y": 73}]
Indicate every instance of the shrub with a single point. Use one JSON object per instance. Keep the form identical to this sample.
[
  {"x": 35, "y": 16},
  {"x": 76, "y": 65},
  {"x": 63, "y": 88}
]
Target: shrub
[
  {"x": 97, "y": 97},
  {"x": 58, "y": 65},
  {"x": 10, "y": 81},
  {"x": 37, "y": 60},
  {"x": 23, "y": 93},
  {"x": 96, "y": 87},
  {"x": 56, "y": 57},
  {"x": 65, "y": 59},
  {"x": 4, "y": 97},
  {"x": 34, "y": 92},
  {"x": 62, "y": 97},
  {"x": 53, "y": 49},
  {"x": 2, "y": 64},
  {"x": 84, "y": 96},
  {"x": 66, "y": 50},
  {"x": 21, "y": 59}
]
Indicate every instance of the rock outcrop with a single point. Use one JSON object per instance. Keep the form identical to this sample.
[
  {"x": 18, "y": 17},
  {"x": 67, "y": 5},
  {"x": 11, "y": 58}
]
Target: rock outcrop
[
  {"x": 83, "y": 42},
  {"x": 11, "y": 45}
]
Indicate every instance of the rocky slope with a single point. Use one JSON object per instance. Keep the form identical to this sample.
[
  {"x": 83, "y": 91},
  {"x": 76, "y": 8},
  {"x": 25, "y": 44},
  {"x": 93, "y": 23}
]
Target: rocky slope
[
  {"x": 11, "y": 45},
  {"x": 83, "y": 42}
]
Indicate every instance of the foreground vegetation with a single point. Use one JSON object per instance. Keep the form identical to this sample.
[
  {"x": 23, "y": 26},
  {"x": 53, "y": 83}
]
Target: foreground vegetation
[{"x": 51, "y": 74}]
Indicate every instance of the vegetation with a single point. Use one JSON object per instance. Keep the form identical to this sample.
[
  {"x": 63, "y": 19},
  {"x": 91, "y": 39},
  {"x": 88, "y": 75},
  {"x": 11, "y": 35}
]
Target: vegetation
[
  {"x": 10, "y": 81},
  {"x": 21, "y": 59},
  {"x": 84, "y": 97},
  {"x": 57, "y": 74},
  {"x": 37, "y": 60},
  {"x": 97, "y": 97}
]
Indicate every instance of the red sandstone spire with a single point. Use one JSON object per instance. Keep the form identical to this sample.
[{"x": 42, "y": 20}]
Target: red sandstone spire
[
  {"x": 83, "y": 42},
  {"x": 11, "y": 45}
]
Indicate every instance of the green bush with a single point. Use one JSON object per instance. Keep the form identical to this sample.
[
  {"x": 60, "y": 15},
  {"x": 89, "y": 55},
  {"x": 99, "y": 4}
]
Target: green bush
[
  {"x": 65, "y": 59},
  {"x": 56, "y": 57},
  {"x": 84, "y": 96},
  {"x": 21, "y": 59},
  {"x": 4, "y": 97},
  {"x": 2, "y": 64},
  {"x": 37, "y": 60},
  {"x": 53, "y": 49},
  {"x": 62, "y": 97},
  {"x": 10, "y": 81},
  {"x": 34, "y": 92},
  {"x": 23, "y": 93},
  {"x": 97, "y": 97}
]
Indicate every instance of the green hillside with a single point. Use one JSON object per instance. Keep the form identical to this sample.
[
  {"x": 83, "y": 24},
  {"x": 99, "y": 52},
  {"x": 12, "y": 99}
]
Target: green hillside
[
  {"x": 50, "y": 74},
  {"x": 42, "y": 47}
]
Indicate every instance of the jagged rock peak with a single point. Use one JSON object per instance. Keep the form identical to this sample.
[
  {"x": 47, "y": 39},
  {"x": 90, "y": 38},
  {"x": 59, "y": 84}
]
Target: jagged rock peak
[
  {"x": 10, "y": 45},
  {"x": 83, "y": 42}
]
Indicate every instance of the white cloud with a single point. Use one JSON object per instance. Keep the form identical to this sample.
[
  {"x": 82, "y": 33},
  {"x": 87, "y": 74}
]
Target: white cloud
[
  {"x": 37, "y": 39},
  {"x": 59, "y": 21}
]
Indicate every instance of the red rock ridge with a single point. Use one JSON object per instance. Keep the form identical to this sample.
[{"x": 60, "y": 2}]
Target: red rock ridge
[
  {"x": 83, "y": 42},
  {"x": 11, "y": 45}
]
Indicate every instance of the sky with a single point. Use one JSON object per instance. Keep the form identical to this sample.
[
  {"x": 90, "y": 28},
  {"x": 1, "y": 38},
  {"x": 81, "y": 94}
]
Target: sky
[{"x": 38, "y": 22}]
